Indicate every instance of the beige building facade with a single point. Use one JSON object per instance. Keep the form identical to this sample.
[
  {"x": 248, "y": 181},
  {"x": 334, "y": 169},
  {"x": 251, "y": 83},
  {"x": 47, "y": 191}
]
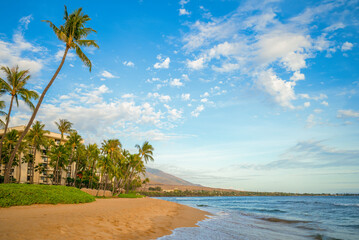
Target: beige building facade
[{"x": 42, "y": 159}]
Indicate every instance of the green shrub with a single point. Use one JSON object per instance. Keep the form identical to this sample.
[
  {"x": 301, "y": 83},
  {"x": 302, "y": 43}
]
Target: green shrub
[
  {"x": 130, "y": 195},
  {"x": 27, "y": 194}
]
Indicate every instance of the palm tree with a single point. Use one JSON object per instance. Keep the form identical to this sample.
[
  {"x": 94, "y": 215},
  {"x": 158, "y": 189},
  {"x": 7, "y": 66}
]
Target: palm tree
[
  {"x": 21, "y": 157},
  {"x": 74, "y": 141},
  {"x": 112, "y": 149},
  {"x": 64, "y": 126},
  {"x": 104, "y": 164},
  {"x": 9, "y": 144},
  {"x": 15, "y": 85},
  {"x": 93, "y": 155},
  {"x": 145, "y": 153},
  {"x": 36, "y": 138},
  {"x": 59, "y": 156},
  {"x": 73, "y": 33}
]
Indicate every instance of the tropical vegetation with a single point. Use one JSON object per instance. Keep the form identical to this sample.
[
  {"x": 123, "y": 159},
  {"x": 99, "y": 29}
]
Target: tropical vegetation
[
  {"x": 27, "y": 194},
  {"x": 67, "y": 160}
]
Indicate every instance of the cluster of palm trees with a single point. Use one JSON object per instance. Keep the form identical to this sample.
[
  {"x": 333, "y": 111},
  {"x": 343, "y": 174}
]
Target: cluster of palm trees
[
  {"x": 109, "y": 167},
  {"x": 73, "y": 34}
]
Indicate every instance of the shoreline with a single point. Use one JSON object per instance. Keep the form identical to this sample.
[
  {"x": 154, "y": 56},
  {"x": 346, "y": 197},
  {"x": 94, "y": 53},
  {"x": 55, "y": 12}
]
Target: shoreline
[{"x": 115, "y": 218}]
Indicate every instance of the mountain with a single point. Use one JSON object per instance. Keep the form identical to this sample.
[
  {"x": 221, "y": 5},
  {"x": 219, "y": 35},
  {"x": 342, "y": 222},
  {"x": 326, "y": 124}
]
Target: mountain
[{"x": 159, "y": 177}]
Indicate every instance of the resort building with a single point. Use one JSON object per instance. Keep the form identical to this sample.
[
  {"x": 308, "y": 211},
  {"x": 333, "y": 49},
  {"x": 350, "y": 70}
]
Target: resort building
[{"x": 43, "y": 170}]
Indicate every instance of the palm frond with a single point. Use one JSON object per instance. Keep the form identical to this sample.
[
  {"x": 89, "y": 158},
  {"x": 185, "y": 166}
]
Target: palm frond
[
  {"x": 59, "y": 33},
  {"x": 87, "y": 43},
  {"x": 82, "y": 56}
]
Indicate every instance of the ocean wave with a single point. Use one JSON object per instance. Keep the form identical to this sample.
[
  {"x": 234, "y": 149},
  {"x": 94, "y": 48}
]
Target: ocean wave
[
  {"x": 280, "y": 220},
  {"x": 346, "y": 204}
]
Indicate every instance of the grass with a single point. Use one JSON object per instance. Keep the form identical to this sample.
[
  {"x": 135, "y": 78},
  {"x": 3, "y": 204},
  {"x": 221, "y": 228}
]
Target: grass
[
  {"x": 27, "y": 194},
  {"x": 130, "y": 195}
]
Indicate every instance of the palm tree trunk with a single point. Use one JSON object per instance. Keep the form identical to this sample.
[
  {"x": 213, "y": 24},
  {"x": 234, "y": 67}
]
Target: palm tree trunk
[
  {"x": 57, "y": 164},
  {"x": 75, "y": 174},
  {"x": 57, "y": 171},
  {"x": 6, "y": 125},
  {"x": 93, "y": 166},
  {"x": 104, "y": 189},
  {"x": 98, "y": 187},
  {"x": 18, "y": 181},
  {"x": 33, "y": 167},
  {"x": 7, "y": 173}
]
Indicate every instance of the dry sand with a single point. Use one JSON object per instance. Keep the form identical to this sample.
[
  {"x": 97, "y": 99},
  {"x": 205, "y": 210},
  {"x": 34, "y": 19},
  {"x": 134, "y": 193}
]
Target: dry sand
[{"x": 141, "y": 218}]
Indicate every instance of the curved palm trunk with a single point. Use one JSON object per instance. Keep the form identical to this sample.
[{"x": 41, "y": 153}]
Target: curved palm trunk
[
  {"x": 6, "y": 125},
  {"x": 7, "y": 173}
]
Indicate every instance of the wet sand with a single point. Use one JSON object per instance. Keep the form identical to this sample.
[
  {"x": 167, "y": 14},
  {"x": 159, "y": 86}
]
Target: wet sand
[{"x": 141, "y": 218}]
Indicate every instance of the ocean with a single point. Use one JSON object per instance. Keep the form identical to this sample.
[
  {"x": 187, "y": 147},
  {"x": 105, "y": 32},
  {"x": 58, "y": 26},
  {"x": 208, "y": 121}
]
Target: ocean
[{"x": 289, "y": 217}]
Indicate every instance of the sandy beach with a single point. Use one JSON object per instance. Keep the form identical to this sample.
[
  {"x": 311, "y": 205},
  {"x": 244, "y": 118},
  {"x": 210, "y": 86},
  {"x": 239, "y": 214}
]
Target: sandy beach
[{"x": 143, "y": 218}]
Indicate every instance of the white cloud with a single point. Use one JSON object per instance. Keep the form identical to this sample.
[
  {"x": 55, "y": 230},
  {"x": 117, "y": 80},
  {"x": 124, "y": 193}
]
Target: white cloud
[
  {"x": 186, "y": 96},
  {"x": 173, "y": 114},
  {"x": 60, "y": 53},
  {"x": 317, "y": 110},
  {"x": 128, "y": 95},
  {"x": 204, "y": 100},
  {"x": 307, "y": 104},
  {"x": 15, "y": 52},
  {"x": 176, "y": 82},
  {"x": 128, "y": 64},
  {"x": 164, "y": 64},
  {"x": 347, "y": 46},
  {"x": 348, "y": 114},
  {"x": 185, "y": 77},
  {"x": 281, "y": 90},
  {"x": 223, "y": 44},
  {"x": 183, "y": 11},
  {"x": 162, "y": 98},
  {"x": 196, "y": 64},
  {"x": 325, "y": 103},
  {"x": 107, "y": 74},
  {"x": 197, "y": 111},
  {"x": 71, "y": 65},
  {"x": 297, "y": 76},
  {"x": 24, "y": 21}
]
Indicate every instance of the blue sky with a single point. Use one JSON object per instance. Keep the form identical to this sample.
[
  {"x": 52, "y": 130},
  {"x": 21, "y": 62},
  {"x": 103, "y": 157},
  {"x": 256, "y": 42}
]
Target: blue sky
[{"x": 251, "y": 95}]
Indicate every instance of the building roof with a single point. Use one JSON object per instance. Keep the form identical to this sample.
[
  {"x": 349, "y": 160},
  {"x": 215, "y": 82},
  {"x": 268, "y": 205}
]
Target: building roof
[{"x": 21, "y": 128}]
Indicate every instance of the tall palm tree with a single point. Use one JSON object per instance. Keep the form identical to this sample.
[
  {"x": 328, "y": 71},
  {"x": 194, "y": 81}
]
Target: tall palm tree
[
  {"x": 112, "y": 149},
  {"x": 21, "y": 157},
  {"x": 74, "y": 141},
  {"x": 93, "y": 153},
  {"x": 59, "y": 156},
  {"x": 64, "y": 126},
  {"x": 36, "y": 138},
  {"x": 104, "y": 164},
  {"x": 145, "y": 153},
  {"x": 73, "y": 33},
  {"x": 15, "y": 85}
]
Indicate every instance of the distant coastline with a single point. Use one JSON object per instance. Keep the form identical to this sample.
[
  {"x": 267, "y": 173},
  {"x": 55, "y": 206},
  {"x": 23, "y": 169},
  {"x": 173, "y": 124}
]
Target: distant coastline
[{"x": 203, "y": 193}]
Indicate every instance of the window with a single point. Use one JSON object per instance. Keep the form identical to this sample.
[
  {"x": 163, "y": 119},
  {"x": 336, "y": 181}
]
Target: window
[{"x": 45, "y": 159}]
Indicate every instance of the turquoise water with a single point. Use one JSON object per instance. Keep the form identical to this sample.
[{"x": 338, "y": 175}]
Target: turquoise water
[{"x": 324, "y": 217}]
